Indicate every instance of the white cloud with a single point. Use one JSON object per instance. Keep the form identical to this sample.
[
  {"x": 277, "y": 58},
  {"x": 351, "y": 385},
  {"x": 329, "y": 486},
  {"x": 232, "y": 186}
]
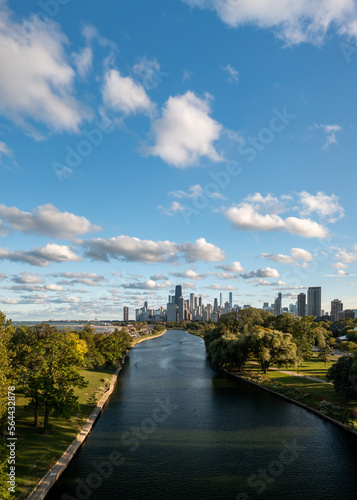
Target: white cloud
[
  {"x": 345, "y": 256},
  {"x": 322, "y": 204},
  {"x": 159, "y": 277},
  {"x": 220, "y": 287},
  {"x": 294, "y": 21},
  {"x": 296, "y": 254},
  {"x": 224, "y": 276},
  {"x": 46, "y": 220},
  {"x": 121, "y": 93},
  {"x": 37, "y": 86},
  {"x": 148, "y": 71},
  {"x": 266, "y": 204},
  {"x": 261, "y": 282},
  {"x": 173, "y": 209},
  {"x": 133, "y": 249},
  {"x": 27, "y": 277},
  {"x": 340, "y": 272},
  {"x": 189, "y": 274},
  {"x": 42, "y": 256},
  {"x": 185, "y": 132},
  {"x": 194, "y": 192},
  {"x": 235, "y": 267},
  {"x": 232, "y": 72},
  {"x": 339, "y": 265},
  {"x": 244, "y": 216},
  {"x": 330, "y": 134},
  {"x": 5, "y": 150},
  {"x": 83, "y": 61},
  {"x": 147, "y": 285},
  {"x": 267, "y": 272}
]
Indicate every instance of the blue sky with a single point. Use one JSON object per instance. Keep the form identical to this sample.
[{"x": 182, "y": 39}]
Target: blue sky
[{"x": 150, "y": 143}]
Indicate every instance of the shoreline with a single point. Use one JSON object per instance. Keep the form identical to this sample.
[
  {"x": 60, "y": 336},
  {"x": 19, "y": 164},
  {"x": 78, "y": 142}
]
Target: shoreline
[
  {"x": 49, "y": 479},
  {"x": 302, "y": 405}
]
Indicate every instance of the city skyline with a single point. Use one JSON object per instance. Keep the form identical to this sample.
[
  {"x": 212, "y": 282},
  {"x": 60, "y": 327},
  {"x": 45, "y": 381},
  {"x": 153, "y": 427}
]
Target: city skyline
[{"x": 138, "y": 155}]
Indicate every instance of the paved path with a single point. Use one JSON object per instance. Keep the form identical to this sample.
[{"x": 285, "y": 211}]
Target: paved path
[{"x": 295, "y": 374}]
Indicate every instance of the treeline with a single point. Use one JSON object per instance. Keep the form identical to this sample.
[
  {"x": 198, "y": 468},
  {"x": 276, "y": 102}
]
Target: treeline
[
  {"x": 283, "y": 341},
  {"x": 45, "y": 364}
]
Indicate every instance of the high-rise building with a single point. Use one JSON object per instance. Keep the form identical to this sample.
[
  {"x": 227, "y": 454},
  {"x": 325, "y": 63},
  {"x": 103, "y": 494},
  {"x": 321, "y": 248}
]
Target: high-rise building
[
  {"x": 171, "y": 312},
  {"x": 301, "y": 305},
  {"x": 277, "y": 305},
  {"x": 200, "y": 302},
  {"x": 146, "y": 305},
  {"x": 314, "y": 301},
  {"x": 192, "y": 302},
  {"x": 178, "y": 293},
  {"x": 221, "y": 299},
  {"x": 231, "y": 300},
  {"x": 181, "y": 308},
  {"x": 336, "y": 308},
  {"x": 125, "y": 313},
  {"x": 215, "y": 305}
]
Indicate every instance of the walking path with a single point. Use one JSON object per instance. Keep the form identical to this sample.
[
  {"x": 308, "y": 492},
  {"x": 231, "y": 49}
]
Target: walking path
[{"x": 314, "y": 379}]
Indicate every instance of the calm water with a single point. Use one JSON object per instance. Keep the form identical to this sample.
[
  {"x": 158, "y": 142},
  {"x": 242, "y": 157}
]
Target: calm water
[{"x": 175, "y": 429}]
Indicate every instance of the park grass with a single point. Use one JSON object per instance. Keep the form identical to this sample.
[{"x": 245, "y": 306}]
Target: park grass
[
  {"x": 136, "y": 340},
  {"x": 38, "y": 452}
]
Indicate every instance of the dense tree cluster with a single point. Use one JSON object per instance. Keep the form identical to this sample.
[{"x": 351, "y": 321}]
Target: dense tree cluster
[{"x": 45, "y": 364}]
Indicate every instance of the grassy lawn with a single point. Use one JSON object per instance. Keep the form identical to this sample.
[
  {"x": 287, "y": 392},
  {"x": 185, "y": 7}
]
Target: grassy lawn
[
  {"x": 37, "y": 452},
  {"x": 314, "y": 367}
]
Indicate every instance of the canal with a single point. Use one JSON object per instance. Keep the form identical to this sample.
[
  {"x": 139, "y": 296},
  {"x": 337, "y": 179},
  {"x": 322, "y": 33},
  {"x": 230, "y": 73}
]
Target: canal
[{"x": 176, "y": 429}]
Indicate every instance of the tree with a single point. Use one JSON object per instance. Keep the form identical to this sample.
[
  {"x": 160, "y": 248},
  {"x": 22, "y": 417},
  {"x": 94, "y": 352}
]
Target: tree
[
  {"x": 49, "y": 376},
  {"x": 4, "y": 383},
  {"x": 304, "y": 335},
  {"x": 346, "y": 346},
  {"x": 271, "y": 346},
  {"x": 325, "y": 351},
  {"x": 112, "y": 346},
  {"x": 343, "y": 374}
]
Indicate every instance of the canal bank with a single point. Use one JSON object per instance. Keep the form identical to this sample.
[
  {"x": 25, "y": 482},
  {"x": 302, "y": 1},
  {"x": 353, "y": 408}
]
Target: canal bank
[
  {"x": 45, "y": 484},
  {"x": 218, "y": 434}
]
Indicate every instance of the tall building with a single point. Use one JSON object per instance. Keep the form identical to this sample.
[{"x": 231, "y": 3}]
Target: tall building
[
  {"x": 125, "y": 313},
  {"x": 171, "y": 312},
  {"x": 301, "y": 305},
  {"x": 231, "y": 300},
  {"x": 336, "y": 308},
  {"x": 192, "y": 302},
  {"x": 277, "y": 305},
  {"x": 200, "y": 302},
  {"x": 221, "y": 299},
  {"x": 215, "y": 305},
  {"x": 314, "y": 301},
  {"x": 181, "y": 308},
  {"x": 178, "y": 293}
]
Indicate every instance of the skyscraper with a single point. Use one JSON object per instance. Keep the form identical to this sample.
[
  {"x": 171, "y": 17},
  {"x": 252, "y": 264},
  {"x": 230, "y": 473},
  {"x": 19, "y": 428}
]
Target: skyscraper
[
  {"x": 125, "y": 313},
  {"x": 277, "y": 305},
  {"x": 221, "y": 299},
  {"x": 178, "y": 293},
  {"x": 192, "y": 302},
  {"x": 181, "y": 308},
  {"x": 314, "y": 301},
  {"x": 336, "y": 308},
  {"x": 301, "y": 305},
  {"x": 171, "y": 314},
  {"x": 231, "y": 300},
  {"x": 215, "y": 305}
]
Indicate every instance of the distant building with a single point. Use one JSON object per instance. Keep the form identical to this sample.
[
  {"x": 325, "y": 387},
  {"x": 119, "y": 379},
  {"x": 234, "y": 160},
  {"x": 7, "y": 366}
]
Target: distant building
[
  {"x": 346, "y": 314},
  {"x": 277, "y": 305},
  {"x": 181, "y": 308},
  {"x": 215, "y": 305},
  {"x": 314, "y": 301},
  {"x": 221, "y": 299},
  {"x": 301, "y": 305},
  {"x": 125, "y": 313},
  {"x": 178, "y": 293},
  {"x": 192, "y": 302},
  {"x": 231, "y": 300},
  {"x": 171, "y": 312},
  {"x": 336, "y": 309}
]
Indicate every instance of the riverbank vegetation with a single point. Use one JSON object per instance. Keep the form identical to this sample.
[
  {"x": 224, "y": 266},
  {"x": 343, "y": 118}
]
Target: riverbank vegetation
[
  {"x": 59, "y": 377},
  {"x": 254, "y": 341}
]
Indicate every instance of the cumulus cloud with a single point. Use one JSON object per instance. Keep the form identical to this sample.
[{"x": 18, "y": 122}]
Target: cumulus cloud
[
  {"x": 133, "y": 249},
  {"x": 235, "y": 267},
  {"x": 245, "y": 217},
  {"x": 185, "y": 132},
  {"x": 46, "y": 220},
  {"x": 233, "y": 75},
  {"x": 330, "y": 134},
  {"x": 147, "y": 285},
  {"x": 346, "y": 257},
  {"x": 220, "y": 287},
  {"x": 296, "y": 255},
  {"x": 323, "y": 205},
  {"x": 38, "y": 84},
  {"x": 42, "y": 256},
  {"x": 189, "y": 274},
  {"x": 261, "y": 282},
  {"x": 123, "y": 94},
  {"x": 294, "y": 21},
  {"x": 173, "y": 209},
  {"x": 267, "y": 272},
  {"x": 224, "y": 276},
  {"x": 27, "y": 277}
]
